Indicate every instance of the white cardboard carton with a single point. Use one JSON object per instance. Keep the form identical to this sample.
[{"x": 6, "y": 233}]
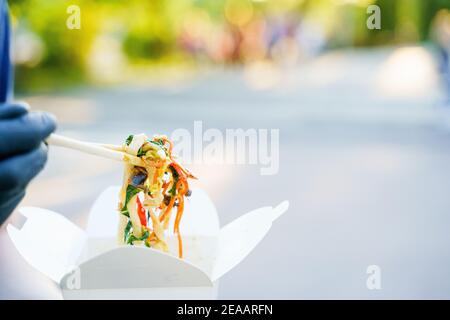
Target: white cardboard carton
[{"x": 90, "y": 265}]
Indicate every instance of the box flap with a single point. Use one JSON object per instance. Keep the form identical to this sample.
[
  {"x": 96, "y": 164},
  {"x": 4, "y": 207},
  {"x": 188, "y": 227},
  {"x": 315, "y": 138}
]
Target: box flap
[
  {"x": 200, "y": 215},
  {"x": 48, "y": 241},
  {"x": 135, "y": 267},
  {"x": 238, "y": 238},
  {"x": 199, "y": 227},
  {"x": 104, "y": 218}
]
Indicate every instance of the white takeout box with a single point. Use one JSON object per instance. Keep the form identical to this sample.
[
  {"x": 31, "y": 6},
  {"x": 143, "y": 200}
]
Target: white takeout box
[{"x": 90, "y": 265}]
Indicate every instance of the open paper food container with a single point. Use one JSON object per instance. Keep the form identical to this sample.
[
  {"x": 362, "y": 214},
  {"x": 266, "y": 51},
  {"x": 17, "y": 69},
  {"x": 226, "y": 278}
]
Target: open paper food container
[{"x": 88, "y": 264}]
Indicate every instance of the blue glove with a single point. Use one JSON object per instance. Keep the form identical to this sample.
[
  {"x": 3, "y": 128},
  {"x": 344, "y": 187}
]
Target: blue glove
[{"x": 22, "y": 151}]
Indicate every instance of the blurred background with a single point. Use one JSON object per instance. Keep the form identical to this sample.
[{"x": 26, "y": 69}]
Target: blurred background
[{"x": 364, "y": 120}]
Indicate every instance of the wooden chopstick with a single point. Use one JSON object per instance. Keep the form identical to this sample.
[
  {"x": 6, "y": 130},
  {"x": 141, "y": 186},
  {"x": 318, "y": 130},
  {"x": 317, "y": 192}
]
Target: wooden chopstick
[{"x": 106, "y": 151}]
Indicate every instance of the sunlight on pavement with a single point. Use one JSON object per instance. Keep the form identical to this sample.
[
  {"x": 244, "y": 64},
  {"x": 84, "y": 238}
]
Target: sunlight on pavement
[
  {"x": 262, "y": 75},
  {"x": 68, "y": 110},
  {"x": 408, "y": 72}
]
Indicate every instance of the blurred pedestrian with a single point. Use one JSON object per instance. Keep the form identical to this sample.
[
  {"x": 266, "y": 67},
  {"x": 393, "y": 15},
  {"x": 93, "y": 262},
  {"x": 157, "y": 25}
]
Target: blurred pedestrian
[{"x": 441, "y": 36}]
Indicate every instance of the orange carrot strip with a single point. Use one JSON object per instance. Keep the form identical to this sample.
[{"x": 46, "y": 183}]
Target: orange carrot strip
[
  {"x": 168, "y": 209},
  {"x": 165, "y": 186},
  {"x": 155, "y": 176},
  {"x": 180, "y": 245},
  {"x": 170, "y": 145},
  {"x": 182, "y": 171},
  {"x": 176, "y": 227}
]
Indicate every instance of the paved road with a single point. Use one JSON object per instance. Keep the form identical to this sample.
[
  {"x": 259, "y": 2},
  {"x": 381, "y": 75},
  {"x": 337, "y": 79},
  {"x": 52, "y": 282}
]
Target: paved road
[{"x": 365, "y": 164}]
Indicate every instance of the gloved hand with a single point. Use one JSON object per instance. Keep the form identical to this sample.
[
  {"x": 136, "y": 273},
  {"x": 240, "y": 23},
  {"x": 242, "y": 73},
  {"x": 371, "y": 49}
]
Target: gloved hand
[{"x": 22, "y": 151}]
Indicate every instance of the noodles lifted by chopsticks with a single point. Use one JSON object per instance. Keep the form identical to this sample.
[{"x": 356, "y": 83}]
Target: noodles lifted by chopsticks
[{"x": 149, "y": 193}]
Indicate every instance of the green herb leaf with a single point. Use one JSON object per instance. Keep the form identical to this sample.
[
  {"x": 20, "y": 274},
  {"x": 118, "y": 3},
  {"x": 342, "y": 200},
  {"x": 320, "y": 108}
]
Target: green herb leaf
[
  {"x": 129, "y": 139},
  {"x": 133, "y": 238},
  {"x": 175, "y": 175},
  {"x": 141, "y": 153},
  {"x": 159, "y": 143},
  {"x": 130, "y": 193},
  {"x": 127, "y": 231}
]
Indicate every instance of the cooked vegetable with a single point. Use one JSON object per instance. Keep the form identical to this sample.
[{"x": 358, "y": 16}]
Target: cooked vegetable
[
  {"x": 141, "y": 212},
  {"x": 130, "y": 193},
  {"x": 162, "y": 183}
]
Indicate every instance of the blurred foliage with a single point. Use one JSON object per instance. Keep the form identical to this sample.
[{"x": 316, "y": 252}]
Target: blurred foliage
[{"x": 118, "y": 34}]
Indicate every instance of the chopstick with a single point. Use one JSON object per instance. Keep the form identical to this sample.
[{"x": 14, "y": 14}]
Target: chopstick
[{"x": 108, "y": 151}]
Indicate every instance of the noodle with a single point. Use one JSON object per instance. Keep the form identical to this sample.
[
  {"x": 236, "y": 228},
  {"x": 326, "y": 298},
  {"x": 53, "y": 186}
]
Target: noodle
[{"x": 162, "y": 183}]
